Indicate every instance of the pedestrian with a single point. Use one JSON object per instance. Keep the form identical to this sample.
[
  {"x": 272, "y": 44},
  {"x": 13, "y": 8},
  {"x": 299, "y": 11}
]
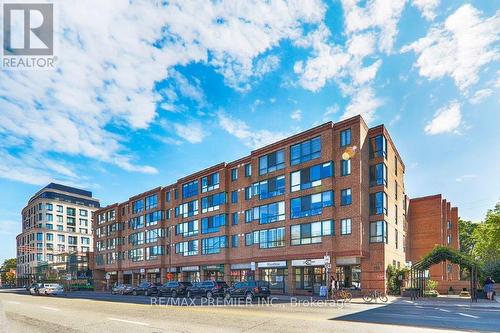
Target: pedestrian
[{"x": 489, "y": 284}]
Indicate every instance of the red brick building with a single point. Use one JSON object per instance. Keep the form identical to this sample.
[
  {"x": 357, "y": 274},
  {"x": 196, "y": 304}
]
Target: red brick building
[
  {"x": 334, "y": 191},
  {"x": 433, "y": 221}
]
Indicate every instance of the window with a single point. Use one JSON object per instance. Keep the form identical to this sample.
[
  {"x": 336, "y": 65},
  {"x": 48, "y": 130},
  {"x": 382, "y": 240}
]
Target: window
[
  {"x": 268, "y": 188},
  {"x": 152, "y": 235},
  {"x": 136, "y": 222},
  {"x": 176, "y": 194},
  {"x": 71, "y": 221},
  {"x": 378, "y": 146},
  {"x": 345, "y": 226},
  {"x": 378, "y": 203},
  {"x": 378, "y": 174},
  {"x": 310, "y": 177},
  {"x": 213, "y": 245},
  {"x": 151, "y": 202},
  {"x": 305, "y": 151},
  {"x": 345, "y": 197},
  {"x": 378, "y": 232},
  {"x": 234, "y": 196},
  {"x": 213, "y": 202},
  {"x": 396, "y": 238},
  {"x": 85, "y": 240},
  {"x": 269, "y": 213},
  {"x": 187, "y": 209},
  {"x": 449, "y": 239},
  {"x": 345, "y": 167},
  {"x": 60, "y": 227},
  {"x": 59, "y": 219},
  {"x": 396, "y": 214},
  {"x": 136, "y": 255},
  {"x": 395, "y": 190},
  {"x": 70, "y": 211},
  {"x": 269, "y": 238},
  {"x": 84, "y": 212},
  {"x": 60, "y": 238},
  {"x": 73, "y": 240},
  {"x": 153, "y": 218},
  {"x": 345, "y": 137},
  {"x": 84, "y": 222},
  {"x": 49, "y": 226},
  {"x": 60, "y": 209},
  {"x": 136, "y": 239},
  {"x": 449, "y": 224},
  {"x": 167, "y": 196},
  {"x": 48, "y": 206},
  {"x": 396, "y": 165},
  {"x": 310, "y": 205},
  {"x": 49, "y": 237},
  {"x": 234, "y": 174},
  {"x": 234, "y": 240},
  {"x": 234, "y": 218},
  {"x": 210, "y": 182},
  {"x": 212, "y": 223},
  {"x": 50, "y": 217},
  {"x": 187, "y": 229},
  {"x": 137, "y": 206},
  {"x": 248, "y": 170},
  {"x": 190, "y": 189},
  {"x": 310, "y": 233},
  {"x": 153, "y": 252},
  {"x": 272, "y": 162}
]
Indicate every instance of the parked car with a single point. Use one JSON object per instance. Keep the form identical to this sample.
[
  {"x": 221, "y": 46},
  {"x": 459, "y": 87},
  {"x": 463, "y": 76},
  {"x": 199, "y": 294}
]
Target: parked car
[
  {"x": 146, "y": 288},
  {"x": 174, "y": 288},
  {"x": 249, "y": 290},
  {"x": 127, "y": 289},
  {"x": 118, "y": 289},
  {"x": 208, "y": 289},
  {"x": 46, "y": 289}
]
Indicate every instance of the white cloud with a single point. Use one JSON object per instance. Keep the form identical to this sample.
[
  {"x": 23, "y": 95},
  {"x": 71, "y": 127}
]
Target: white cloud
[
  {"x": 251, "y": 138},
  {"x": 365, "y": 103},
  {"x": 192, "y": 132},
  {"x": 459, "y": 48},
  {"x": 331, "y": 110},
  {"x": 427, "y": 8},
  {"x": 296, "y": 115},
  {"x": 107, "y": 71},
  {"x": 465, "y": 177},
  {"x": 480, "y": 95},
  {"x": 446, "y": 120}
]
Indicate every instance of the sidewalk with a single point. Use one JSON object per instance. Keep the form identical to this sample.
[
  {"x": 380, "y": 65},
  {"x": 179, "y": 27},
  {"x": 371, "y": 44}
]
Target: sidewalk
[{"x": 449, "y": 301}]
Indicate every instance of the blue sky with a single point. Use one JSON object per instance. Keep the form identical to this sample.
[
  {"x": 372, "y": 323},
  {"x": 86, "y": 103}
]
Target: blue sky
[{"x": 144, "y": 94}]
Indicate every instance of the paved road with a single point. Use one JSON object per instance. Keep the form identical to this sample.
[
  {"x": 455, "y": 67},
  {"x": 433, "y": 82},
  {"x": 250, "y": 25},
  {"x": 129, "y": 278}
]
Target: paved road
[{"x": 24, "y": 313}]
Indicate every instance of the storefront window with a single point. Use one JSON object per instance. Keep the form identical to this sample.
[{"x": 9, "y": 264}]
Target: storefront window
[
  {"x": 309, "y": 278},
  {"x": 349, "y": 276},
  {"x": 240, "y": 275},
  {"x": 276, "y": 278}
]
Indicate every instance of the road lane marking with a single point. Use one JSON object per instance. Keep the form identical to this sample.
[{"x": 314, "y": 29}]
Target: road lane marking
[
  {"x": 49, "y": 308},
  {"x": 468, "y": 315},
  {"x": 420, "y": 307},
  {"x": 444, "y": 310},
  {"x": 129, "y": 321}
]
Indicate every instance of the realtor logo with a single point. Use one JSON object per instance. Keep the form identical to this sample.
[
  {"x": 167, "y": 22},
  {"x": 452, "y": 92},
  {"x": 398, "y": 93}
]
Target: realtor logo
[{"x": 28, "y": 35}]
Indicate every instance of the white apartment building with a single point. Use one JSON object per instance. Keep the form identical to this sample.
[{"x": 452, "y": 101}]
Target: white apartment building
[{"x": 56, "y": 224}]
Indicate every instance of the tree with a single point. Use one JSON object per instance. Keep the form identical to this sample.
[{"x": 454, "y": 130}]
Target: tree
[
  {"x": 7, "y": 276},
  {"x": 486, "y": 237},
  {"x": 465, "y": 232}
]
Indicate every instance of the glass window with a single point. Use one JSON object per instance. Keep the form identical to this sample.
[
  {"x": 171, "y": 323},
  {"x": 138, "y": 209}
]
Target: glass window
[
  {"x": 59, "y": 209},
  {"x": 234, "y": 174},
  {"x": 378, "y": 203},
  {"x": 378, "y": 232},
  {"x": 84, "y": 212},
  {"x": 70, "y": 211},
  {"x": 234, "y": 196},
  {"x": 305, "y": 151},
  {"x": 345, "y": 197},
  {"x": 167, "y": 196},
  {"x": 345, "y": 137},
  {"x": 310, "y": 205},
  {"x": 136, "y": 222},
  {"x": 310, "y": 233},
  {"x": 213, "y": 244},
  {"x": 153, "y": 218},
  {"x": 272, "y": 162},
  {"x": 187, "y": 229},
  {"x": 213, "y": 202},
  {"x": 50, "y": 217},
  {"x": 345, "y": 167},
  {"x": 187, "y": 209},
  {"x": 378, "y": 146},
  {"x": 269, "y": 213},
  {"x": 378, "y": 174},
  {"x": 153, "y": 252},
  {"x": 270, "y": 238},
  {"x": 248, "y": 170},
  {"x": 234, "y": 240},
  {"x": 190, "y": 189},
  {"x": 189, "y": 248},
  {"x": 212, "y": 223},
  {"x": 137, "y": 206},
  {"x": 345, "y": 226},
  {"x": 266, "y": 189},
  {"x": 234, "y": 218},
  {"x": 48, "y": 206},
  {"x": 310, "y": 177},
  {"x": 210, "y": 183},
  {"x": 50, "y": 237}
]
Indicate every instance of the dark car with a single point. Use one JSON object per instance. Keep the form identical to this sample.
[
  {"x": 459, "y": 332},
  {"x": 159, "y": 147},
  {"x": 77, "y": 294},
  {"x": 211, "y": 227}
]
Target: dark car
[
  {"x": 174, "y": 288},
  {"x": 249, "y": 290},
  {"x": 208, "y": 289},
  {"x": 146, "y": 288}
]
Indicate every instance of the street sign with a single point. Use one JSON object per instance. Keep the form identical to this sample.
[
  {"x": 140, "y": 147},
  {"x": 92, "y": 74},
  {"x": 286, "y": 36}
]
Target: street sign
[
  {"x": 108, "y": 276},
  {"x": 326, "y": 259}
]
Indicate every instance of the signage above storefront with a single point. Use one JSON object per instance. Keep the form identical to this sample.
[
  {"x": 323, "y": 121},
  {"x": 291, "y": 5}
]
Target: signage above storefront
[
  {"x": 242, "y": 266},
  {"x": 271, "y": 264},
  {"x": 308, "y": 262},
  {"x": 190, "y": 269},
  {"x": 347, "y": 261},
  {"x": 153, "y": 270}
]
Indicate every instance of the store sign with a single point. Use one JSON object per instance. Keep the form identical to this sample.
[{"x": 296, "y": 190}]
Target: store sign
[
  {"x": 242, "y": 266},
  {"x": 190, "y": 269},
  {"x": 214, "y": 267},
  {"x": 252, "y": 265},
  {"x": 308, "y": 262},
  {"x": 347, "y": 261},
  {"x": 272, "y": 264},
  {"x": 142, "y": 270},
  {"x": 153, "y": 270}
]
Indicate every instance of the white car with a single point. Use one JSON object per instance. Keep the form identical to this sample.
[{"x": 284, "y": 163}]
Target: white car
[{"x": 46, "y": 289}]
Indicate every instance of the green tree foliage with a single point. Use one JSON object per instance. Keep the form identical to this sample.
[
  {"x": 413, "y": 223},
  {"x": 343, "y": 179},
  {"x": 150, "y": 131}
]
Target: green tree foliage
[
  {"x": 465, "y": 232},
  {"x": 395, "y": 277},
  {"x": 7, "y": 276},
  {"x": 486, "y": 238}
]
